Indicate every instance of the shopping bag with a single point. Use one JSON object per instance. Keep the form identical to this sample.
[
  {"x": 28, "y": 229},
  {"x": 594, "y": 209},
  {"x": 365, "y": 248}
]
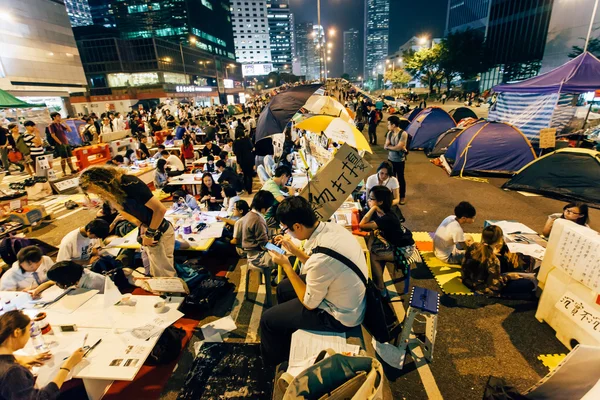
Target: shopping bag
[{"x": 337, "y": 377}]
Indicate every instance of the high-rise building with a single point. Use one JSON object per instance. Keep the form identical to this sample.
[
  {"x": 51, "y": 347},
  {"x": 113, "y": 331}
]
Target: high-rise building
[
  {"x": 351, "y": 53},
  {"x": 251, "y": 31},
  {"x": 467, "y": 14},
  {"x": 79, "y": 12},
  {"x": 307, "y": 53},
  {"x": 515, "y": 40},
  {"x": 102, "y": 13},
  {"x": 39, "y": 65},
  {"x": 377, "y": 23},
  {"x": 203, "y": 24},
  {"x": 281, "y": 32}
]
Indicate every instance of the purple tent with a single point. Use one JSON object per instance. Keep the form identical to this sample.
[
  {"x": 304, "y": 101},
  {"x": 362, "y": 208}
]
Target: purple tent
[
  {"x": 427, "y": 126},
  {"x": 580, "y": 75},
  {"x": 489, "y": 148}
]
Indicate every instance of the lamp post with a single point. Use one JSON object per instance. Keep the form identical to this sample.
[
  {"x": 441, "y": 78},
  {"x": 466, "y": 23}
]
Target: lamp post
[{"x": 587, "y": 39}]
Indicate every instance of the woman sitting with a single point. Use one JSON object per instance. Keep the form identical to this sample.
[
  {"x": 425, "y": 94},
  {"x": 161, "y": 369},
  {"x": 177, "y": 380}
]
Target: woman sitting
[
  {"x": 230, "y": 197},
  {"x": 16, "y": 379},
  {"x": 161, "y": 178},
  {"x": 210, "y": 193},
  {"x": 187, "y": 149},
  {"x": 482, "y": 268},
  {"x": 384, "y": 177},
  {"x": 389, "y": 233},
  {"x": 183, "y": 201},
  {"x": 576, "y": 212},
  {"x": 130, "y": 157},
  {"x": 232, "y": 224}
]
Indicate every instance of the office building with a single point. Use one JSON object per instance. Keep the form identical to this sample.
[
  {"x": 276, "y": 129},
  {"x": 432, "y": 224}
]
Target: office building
[
  {"x": 39, "y": 65},
  {"x": 307, "y": 53},
  {"x": 202, "y": 24},
  {"x": 102, "y": 13},
  {"x": 79, "y": 12},
  {"x": 467, "y": 14},
  {"x": 251, "y": 31},
  {"x": 352, "y": 53},
  {"x": 377, "y": 21},
  {"x": 281, "y": 32},
  {"x": 515, "y": 40}
]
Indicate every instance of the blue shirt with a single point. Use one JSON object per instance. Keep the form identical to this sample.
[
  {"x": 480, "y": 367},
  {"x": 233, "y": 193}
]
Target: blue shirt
[{"x": 179, "y": 132}]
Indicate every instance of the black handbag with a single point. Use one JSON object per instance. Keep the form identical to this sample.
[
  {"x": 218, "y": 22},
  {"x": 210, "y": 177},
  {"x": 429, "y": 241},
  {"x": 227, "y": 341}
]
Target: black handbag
[{"x": 380, "y": 319}]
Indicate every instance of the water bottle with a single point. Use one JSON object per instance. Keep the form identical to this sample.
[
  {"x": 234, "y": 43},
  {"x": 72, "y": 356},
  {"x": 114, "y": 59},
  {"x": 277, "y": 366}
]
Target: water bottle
[{"x": 36, "y": 338}]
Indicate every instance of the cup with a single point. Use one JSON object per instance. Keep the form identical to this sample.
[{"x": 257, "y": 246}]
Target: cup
[
  {"x": 187, "y": 230},
  {"x": 160, "y": 307}
]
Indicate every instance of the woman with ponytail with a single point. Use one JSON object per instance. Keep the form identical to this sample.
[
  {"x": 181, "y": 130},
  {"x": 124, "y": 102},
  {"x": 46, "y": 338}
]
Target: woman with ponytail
[
  {"x": 16, "y": 380},
  {"x": 484, "y": 263}
]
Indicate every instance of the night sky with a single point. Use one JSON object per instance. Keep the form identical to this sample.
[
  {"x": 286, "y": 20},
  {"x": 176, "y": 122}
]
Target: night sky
[{"x": 407, "y": 19}]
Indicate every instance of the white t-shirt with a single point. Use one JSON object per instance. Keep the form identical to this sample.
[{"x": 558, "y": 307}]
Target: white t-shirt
[
  {"x": 229, "y": 204},
  {"x": 91, "y": 280},
  {"x": 330, "y": 284},
  {"x": 75, "y": 246},
  {"x": 175, "y": 163},
  {"x": 16, "y": 279},
  {"x": 373, "y": 180},
  {"x": 447, "y": 235}
]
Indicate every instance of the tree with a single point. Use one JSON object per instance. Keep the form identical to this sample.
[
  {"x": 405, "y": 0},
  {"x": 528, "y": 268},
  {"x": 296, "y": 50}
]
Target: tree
[
  {"x": 346, "y": 77},
  {"x": 461, "y": 54},
  {"x": 593, "y": 47},
  {"x": 398, "y": 77},
  {"x": 425, "y": 64}
]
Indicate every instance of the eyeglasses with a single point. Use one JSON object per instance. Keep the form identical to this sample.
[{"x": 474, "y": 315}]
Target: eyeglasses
[
  {"x": 284, "y": 229},
  {"x": 371, "y": 198},
  {"x": 567, "y": 211}
]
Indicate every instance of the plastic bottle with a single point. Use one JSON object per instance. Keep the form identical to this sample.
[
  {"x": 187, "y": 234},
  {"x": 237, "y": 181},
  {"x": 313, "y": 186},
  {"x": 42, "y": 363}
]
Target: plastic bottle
[
  {"x": 355, "y": 219},
  {"x": 36, "y": 338}
]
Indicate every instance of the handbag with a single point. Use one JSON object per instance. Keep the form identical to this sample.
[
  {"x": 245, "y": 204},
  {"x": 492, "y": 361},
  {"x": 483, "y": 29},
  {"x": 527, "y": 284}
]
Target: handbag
[
  {"x": 14, "y": 156},
  {"x": 337, "y": 377},
  {"x": 380, "y": 319}
]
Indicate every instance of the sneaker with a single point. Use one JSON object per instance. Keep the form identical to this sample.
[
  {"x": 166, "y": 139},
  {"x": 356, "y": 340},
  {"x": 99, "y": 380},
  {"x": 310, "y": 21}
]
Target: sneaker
[{"x": 402, "y": 201}]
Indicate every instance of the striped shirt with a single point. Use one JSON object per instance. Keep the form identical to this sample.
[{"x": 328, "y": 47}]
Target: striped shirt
[{"x": 35, "y": 150}]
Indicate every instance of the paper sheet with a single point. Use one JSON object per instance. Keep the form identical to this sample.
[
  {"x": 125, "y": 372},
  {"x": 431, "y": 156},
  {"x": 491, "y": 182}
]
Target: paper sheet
[
  {"x": 529, "y": 249},
  {"x": 61, "y": 347},
  {"x": 389, "y": 353},
  {"x": 509, "y": 227},
  {"x": 121, "y": 241},
  {"x": 218, "y": 327},
  {"x": 111, "y": 293},
  {"x": 73, "y": 300},
  {"x": 213, "y": 230},
  {"x": 170, "y": 285}
]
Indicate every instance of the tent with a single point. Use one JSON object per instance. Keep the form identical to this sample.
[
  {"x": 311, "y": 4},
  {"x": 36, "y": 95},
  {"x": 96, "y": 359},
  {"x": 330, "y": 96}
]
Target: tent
[
  {"x": 462, "y": 112},
  {"x": 546, "y": 100},
  {"x": 7, "y": 100},
  {"x": 489, "y": 148},
  {"x": 427, "y": 126},
  {"x": 412, "y": 114},
  {"x": 442, "y": 142},
  {"x": 566, "y": 174}
]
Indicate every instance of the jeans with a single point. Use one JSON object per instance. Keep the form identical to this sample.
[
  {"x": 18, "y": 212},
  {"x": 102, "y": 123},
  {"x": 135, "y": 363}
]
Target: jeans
[
  {"x": 399, "y": 173},
  {"x": 278, "y": 323},
  {"x": 373, "y": 134},
  {"x": 248, "y": 171}
]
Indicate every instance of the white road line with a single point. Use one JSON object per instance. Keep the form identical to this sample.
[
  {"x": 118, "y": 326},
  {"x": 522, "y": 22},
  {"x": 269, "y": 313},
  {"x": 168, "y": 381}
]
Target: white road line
[
  {"x": 257, "y": 310},
  {"x": 241, "y": 291},
  {"x": 69, "y": 213},
  {"x": 431, "y": 387}
]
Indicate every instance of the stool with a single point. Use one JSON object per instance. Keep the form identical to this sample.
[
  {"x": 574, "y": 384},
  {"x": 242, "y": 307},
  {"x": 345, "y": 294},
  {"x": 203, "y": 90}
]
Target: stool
[
  {"x": 426, "y": 303},
  {"x": 400, "y": 262},
  {"x": 264, "y": 273}
]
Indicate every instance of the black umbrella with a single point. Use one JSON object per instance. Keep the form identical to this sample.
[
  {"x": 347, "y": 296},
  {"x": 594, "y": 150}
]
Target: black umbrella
[{"x": 282, "y": 108}]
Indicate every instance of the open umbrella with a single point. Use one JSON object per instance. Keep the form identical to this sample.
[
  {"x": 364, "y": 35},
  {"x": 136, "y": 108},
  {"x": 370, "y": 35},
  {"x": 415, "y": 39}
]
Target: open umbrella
[
  {"x": 337, "y": 130},
  {"x": 325, "y": 105},
  {"x": 282, "y": 107}
]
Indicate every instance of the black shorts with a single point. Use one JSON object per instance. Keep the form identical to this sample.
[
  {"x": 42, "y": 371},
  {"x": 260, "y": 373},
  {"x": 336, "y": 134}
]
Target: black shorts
[{"x": 63, "y": 150}]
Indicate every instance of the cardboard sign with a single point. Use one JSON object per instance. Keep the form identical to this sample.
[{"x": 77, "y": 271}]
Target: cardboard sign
[
  {"x": 332, "y": 185},
  {"x": 580, "y": 313},
  {"x": 547, "y": 138}
]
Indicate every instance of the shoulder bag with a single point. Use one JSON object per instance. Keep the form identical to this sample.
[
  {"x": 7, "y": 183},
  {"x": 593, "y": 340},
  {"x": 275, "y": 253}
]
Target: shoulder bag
[{"x": 380, "y": 319}]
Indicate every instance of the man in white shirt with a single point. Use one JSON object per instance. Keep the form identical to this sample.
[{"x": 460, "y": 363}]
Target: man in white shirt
[
  {"x": 28, "y": 272},
  {"x": 327, "y": 296},
  {"x": 80, "y": 245},
  {"x": 450, "y": 242},
  {"x": 174, "y": 163}
]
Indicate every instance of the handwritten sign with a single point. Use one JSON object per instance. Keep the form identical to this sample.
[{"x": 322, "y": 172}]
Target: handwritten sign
[
  {"x": 332, "y": 185},
  {"x": 547, "y": 138},
  {"x": 578, "y": 254},
  {"x": 581, "y": 313}
]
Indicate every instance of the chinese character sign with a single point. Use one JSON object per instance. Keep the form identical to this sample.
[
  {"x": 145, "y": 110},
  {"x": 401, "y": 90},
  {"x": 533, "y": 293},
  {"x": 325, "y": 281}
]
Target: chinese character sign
[
  {"x": 332, "y": 185},
  {"x": 582, "y": 313}
]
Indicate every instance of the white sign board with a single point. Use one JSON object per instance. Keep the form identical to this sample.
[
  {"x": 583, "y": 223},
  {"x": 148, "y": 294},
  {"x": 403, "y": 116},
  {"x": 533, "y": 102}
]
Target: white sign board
[
  {"x": 256, "y": 69},
  {"x": 580, "y": 313},
  {"x": 578, "y": 254}
]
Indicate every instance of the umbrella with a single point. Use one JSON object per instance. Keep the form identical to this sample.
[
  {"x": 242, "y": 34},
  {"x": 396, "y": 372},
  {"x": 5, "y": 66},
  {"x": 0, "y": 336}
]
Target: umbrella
[
  {"x": 337, "y": 130},
  {"x": 282, "y": 108},
  {"x": 324, "y": 105}
]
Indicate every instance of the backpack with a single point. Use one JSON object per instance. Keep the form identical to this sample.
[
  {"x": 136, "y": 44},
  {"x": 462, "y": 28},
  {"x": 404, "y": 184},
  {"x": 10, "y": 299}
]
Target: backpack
[
  {"x": 207, "y": 292},
  {"x": 377, "y": 116},
  {"x": 167, "y": 348},
  {"x": 49, "y": 137}
]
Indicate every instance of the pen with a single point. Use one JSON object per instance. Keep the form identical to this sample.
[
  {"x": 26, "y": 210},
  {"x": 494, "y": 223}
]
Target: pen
[
  {"x": 84, "y": 340},
  {"x": 92, "y": 348}
]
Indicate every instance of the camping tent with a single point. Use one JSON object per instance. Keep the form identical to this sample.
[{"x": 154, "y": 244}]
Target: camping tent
[
  {"x": 489, "y": 148},
  {"x": 566, "y": 174},
  {"x": 427, "y": 126},
  {"x": 443, "y": 141},
  {"x": 7, "y": 100},
  {"x": 412, "y": 114},
  {"x": 462, "y": 112},
  {"x": 546, "y": 100}
]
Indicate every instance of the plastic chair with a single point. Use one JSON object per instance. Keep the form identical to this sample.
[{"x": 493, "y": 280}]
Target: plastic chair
[
  {"x": 264, "y": 273},
  {"x": 262, "y": 174},
  {"x": 269, "y": 162},
  {"x": 269, "y": 170}
]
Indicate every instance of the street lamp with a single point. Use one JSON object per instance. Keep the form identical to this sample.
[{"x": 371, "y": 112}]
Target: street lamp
[
  {"x": 332, "y": 32},
  {"x": 587, "y": 39},
  {"x": 423, "y": 40}
]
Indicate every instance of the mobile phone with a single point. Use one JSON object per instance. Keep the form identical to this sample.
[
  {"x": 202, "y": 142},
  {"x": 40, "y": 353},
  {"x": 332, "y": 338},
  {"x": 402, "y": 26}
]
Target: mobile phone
[{"x": 271, "y": 246}]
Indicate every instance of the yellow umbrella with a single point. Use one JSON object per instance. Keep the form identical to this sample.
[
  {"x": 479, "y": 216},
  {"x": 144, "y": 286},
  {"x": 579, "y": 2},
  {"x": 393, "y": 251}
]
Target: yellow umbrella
[{"x": 336, "y": 129}]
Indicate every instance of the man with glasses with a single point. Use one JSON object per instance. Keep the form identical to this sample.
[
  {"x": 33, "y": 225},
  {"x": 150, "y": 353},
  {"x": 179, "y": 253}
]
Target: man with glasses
[{"x": 327, "y": 295}]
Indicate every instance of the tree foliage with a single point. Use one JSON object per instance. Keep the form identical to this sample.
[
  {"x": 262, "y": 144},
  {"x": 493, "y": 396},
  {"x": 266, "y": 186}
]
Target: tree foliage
[
  {"x": 346, "y": 77},
  {"x": 425, "y": 64},
  {"x": 593, "y": 47},
  {"x": 397, "y": 76}
]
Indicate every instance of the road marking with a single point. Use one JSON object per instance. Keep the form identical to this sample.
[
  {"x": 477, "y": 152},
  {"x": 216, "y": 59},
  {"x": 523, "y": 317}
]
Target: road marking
[
  {"x": 257, "y": 310},
  {"x": 69, "y": 213}
]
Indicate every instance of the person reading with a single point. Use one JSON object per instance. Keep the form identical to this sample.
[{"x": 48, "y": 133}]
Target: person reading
[
  {"x": 81, "y": 244},
  {"x": 450, "y": 241},
  {"x": 327, "y": 295},
  {"x": 16, "y": 379},
  {"x": 28, "y": 272}
]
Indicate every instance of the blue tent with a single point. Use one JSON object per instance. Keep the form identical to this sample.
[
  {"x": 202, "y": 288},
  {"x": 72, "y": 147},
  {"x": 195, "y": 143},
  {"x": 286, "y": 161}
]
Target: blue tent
[
  {"x": 412, "y": 114},
  {"x": 489, "y": 148},
  {"x": 427, "y": 126}
]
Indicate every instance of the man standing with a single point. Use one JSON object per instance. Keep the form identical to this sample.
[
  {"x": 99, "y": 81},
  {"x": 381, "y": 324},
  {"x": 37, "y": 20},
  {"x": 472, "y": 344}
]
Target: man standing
[
  {"x": 395, "y": 144},
  {"x": 373, "y": 120},
  {"x": 58, "y": 131},
  {"x": 6, "y": 140}
]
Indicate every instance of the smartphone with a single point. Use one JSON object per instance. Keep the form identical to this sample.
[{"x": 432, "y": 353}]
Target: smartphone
[{"x": 271, "y": 246}]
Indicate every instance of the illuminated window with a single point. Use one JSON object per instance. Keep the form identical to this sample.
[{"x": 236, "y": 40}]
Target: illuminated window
[{"x": 207, "y": 4}]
